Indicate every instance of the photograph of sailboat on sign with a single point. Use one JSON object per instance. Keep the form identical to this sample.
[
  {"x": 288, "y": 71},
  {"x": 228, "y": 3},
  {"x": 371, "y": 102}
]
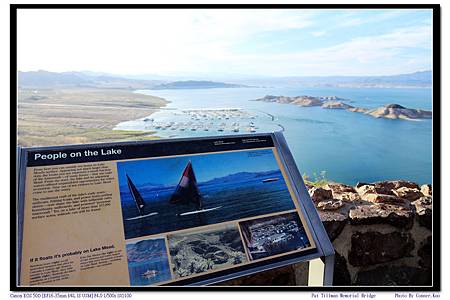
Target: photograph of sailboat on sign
[
  {"x": 140, "y": 203},
  {"x": 187, "y": 193},
  {"x": 172, "y": 193}
]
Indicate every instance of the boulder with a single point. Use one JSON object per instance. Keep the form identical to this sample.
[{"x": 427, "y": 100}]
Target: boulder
[
  {"x": 339, "y": 188},
  {"x": 383, "y": 198},
  {"x": 334, "y": 223},
  {"x": 424, "y": 211},
  {"x": 427, "y": 190},
  {"x": 372, "y": 247},
  {"x": 330, "y": 205},
  {"x": 320, "y": 194},
  {"x": 365, "y": 189},
  {"x": 408, "y": 193},
  {"x": 383, "y": 187},
  {"x": 343, "y": 192},
  {"x": 395, "y": 215},
  {"x": 393, "y": 275},
  {"x": 360, "y": 184},
  {"x": 389, "y": 185}
]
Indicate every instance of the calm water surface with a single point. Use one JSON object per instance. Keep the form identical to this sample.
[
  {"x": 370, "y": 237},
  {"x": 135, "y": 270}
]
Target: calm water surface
[{"x": 350, "y": 147}]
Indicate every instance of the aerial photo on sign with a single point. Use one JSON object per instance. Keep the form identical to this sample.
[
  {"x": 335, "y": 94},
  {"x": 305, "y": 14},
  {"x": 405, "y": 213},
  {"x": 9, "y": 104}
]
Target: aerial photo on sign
[
  {"x": 274, "y": 235},
  {"x": 201, "y": 251},
  {"x": 173, "y": 193}
]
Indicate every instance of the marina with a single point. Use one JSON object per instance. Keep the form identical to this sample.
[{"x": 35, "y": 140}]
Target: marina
[{"x": 173, "y": 123}]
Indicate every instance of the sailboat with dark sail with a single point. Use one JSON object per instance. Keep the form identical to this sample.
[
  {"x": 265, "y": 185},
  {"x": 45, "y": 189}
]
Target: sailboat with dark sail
[
  {"x": 140, "y": 203},
  {"x": 187, "y": 193}
]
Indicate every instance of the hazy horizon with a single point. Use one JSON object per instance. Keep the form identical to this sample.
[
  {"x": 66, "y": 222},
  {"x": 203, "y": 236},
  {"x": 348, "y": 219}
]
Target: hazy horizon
[{"x": 209, "y": 75}]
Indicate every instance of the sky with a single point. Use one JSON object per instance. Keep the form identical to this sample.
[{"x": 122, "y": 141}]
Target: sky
[
  {"x": 245, "y": 42},
  {"x": 167, "y": 171}
]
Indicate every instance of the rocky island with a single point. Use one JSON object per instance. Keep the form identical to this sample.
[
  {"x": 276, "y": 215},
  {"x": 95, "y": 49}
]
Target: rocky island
[
  {"x": 396, "y": 111},
  {"x": 389, "y": 111}
]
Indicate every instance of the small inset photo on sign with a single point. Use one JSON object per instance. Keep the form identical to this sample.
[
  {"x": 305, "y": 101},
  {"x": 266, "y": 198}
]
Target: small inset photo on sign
[
  {"x": 201, "y": 251},
  {"x": 274, "y": 235},
  {"x": 148, "y": 262}
]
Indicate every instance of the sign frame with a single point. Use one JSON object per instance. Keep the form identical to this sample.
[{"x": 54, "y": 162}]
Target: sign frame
[{"x": 321, "y": 259}]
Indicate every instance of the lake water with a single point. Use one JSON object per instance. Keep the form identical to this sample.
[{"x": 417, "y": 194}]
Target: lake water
[{"x": 350, "y": 147}]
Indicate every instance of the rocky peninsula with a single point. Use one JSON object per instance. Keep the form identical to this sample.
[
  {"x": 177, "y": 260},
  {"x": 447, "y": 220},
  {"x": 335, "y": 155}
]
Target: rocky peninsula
[{"x": 389, "y": 111}]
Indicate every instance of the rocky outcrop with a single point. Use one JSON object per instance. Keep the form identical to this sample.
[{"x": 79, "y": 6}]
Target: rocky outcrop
[
  {"x": 385, "y": 241},
  {"x": 330, "y": 205},
  {"x": 372, "y": 247},
  {"x": 336, "y": 105},
  {"x": 426, "y": 190},
  {"x": 396, "y": 111},
  {"x": 358, "y": 109},
  {"x": 389, "y": 111},
  {"x": 334, "y": 222},
  {"x": 379, "y": 232},
  {"x": 343, "y": 192},
  {"x": 391, "y": 192},
  {"x": 382, "y": 198},
  {"x": 306, "y": 101},
  {"x": 395, "y": 215},
  {"x": 299, "y": 100},
  {"x": 424, "y": 211},
  {"x": 319, "y": 194},
  {"x": 408, "y": 193}
]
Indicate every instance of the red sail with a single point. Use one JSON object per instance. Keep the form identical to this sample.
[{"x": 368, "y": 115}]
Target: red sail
[{"x": 187, "y": 190}]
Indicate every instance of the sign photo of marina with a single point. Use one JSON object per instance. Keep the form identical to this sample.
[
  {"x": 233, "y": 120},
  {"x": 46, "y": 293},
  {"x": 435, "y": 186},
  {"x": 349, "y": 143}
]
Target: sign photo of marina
[
  {"x": 273, "y": 235},
  {"x": 148, "y": 262},
  {"x": 199, "y": 252},
  {"x": 173, "y": 193}
]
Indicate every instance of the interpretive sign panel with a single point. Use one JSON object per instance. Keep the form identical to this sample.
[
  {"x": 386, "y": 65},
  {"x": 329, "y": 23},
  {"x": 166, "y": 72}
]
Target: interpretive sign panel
[{"x": 170, "y": 212}]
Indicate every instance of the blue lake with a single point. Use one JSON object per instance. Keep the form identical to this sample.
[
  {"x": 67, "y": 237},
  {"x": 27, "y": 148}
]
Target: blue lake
[{"x": 350, "y": 147}]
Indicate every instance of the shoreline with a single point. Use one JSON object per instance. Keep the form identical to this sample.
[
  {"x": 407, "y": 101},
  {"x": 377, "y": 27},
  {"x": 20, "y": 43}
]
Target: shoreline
[{"x": 81, "y": 115}]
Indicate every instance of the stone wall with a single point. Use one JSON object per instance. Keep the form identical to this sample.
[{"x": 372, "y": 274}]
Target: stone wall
[{"x": 381, "y": 233}]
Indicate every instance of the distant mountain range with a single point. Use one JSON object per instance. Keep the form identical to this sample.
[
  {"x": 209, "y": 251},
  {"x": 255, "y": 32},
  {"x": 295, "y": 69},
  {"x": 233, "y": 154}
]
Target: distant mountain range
[
  {"x": 87, "y": 79},
  {"x": 145, "y": 250},
  {"x": 45, "y": 79},
  {"x": 243, "y": 176},
  {"x": 236, "y": 177},
  {"x": 195, "y": 84}
]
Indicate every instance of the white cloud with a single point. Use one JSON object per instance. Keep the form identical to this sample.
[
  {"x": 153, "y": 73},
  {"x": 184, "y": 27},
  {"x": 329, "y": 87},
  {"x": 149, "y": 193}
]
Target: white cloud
[
  {"x": 371, "y": 55},
  {"x": 139, "y": 41},
  {"x": 171, "y": 41},
  {"x": 319, "y": 33}
]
